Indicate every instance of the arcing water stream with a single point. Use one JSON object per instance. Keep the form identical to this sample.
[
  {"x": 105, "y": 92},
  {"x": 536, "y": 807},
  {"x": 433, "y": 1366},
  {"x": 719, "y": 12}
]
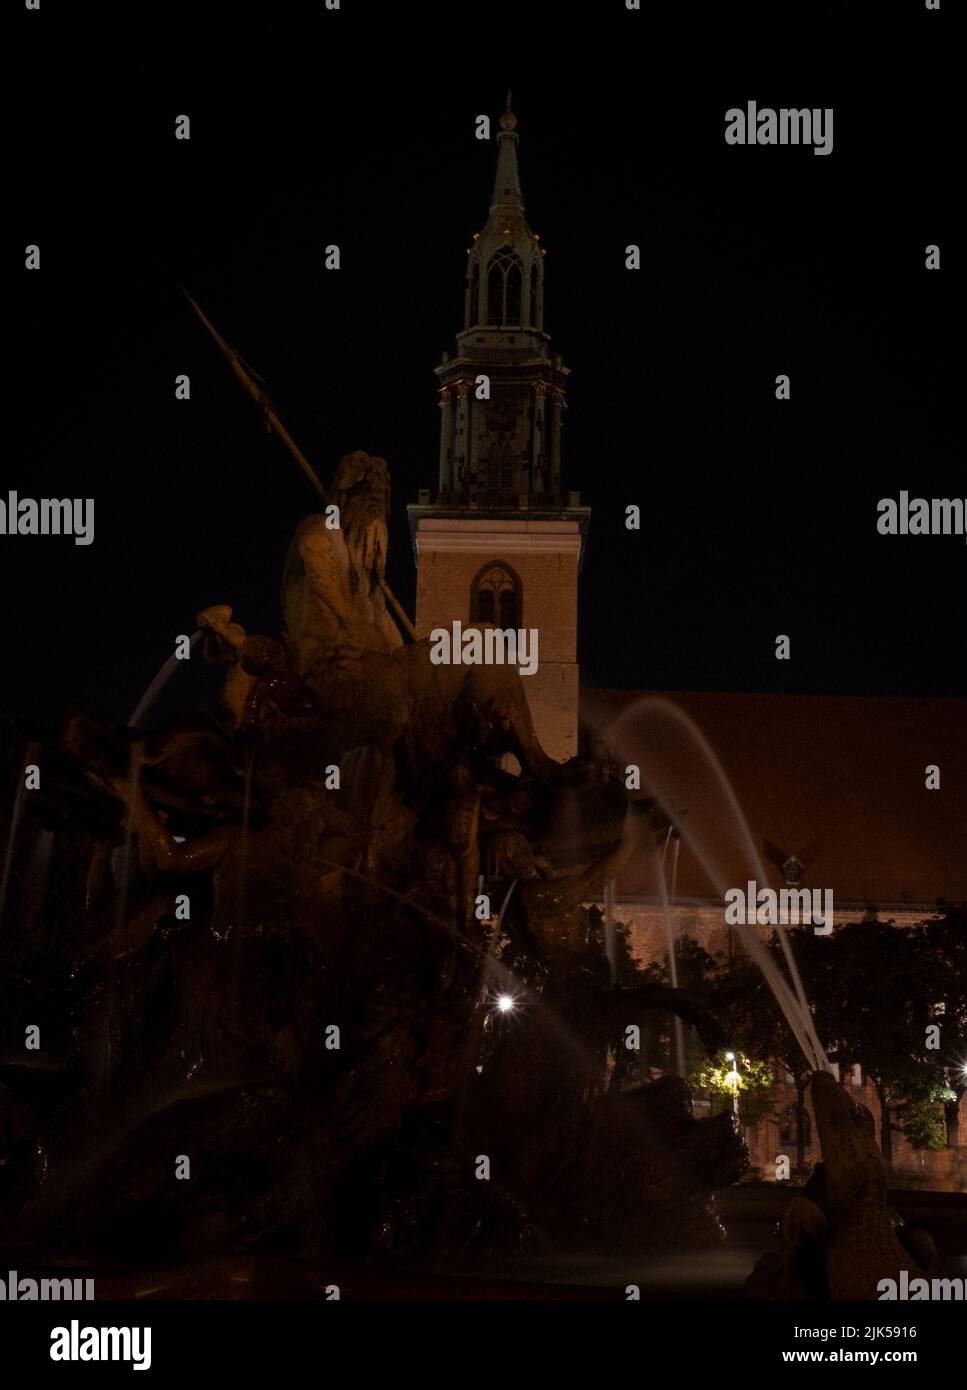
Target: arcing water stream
[{"x": 679, "y": 768}]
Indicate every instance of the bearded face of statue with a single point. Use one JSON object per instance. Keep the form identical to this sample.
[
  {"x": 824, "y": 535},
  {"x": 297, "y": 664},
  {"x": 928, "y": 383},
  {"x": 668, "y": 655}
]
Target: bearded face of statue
[
  {"x": 332, "y": 585},
  {"x": 362, "y": 492}
]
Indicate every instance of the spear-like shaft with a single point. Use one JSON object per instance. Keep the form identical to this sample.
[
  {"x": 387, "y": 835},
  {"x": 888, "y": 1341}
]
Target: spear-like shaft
[
  {"x": 398, "y": 608},
  {"x": 262, "y": 400}
]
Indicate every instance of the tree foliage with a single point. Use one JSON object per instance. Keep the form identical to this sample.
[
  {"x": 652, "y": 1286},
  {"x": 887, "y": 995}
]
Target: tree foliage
[{"x": 876, "y": 990}]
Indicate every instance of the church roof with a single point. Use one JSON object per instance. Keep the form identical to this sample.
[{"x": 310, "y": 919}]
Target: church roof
[{"x": 838, "y": 780}]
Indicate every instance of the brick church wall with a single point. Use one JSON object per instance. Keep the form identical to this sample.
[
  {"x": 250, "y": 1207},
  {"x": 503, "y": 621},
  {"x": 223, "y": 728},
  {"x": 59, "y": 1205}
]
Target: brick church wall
[{"x": 545, "y": 555}]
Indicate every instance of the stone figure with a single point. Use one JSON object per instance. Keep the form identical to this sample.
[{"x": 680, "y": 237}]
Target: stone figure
[{"x": 320, "y": 1015}]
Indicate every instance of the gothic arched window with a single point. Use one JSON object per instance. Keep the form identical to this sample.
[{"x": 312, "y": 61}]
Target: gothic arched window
[
  {"x": 504, "y": 287},
  {"x": 513, "y": 295},
  {"x": 533, "y": 316},
  {"x": 496, "y": 596},
  {"x": 495, "y": 294}
]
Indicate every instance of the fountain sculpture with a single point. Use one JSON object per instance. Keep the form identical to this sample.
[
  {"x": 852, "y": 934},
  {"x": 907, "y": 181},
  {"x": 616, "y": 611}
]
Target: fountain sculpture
[{"x": 344, "y": 976}]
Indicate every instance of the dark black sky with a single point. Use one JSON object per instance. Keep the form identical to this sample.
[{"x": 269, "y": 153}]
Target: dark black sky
[{"x": 358, "y": 128}]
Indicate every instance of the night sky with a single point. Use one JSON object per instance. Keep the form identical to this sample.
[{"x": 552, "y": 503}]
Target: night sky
[{"x": 357, "y": 128}]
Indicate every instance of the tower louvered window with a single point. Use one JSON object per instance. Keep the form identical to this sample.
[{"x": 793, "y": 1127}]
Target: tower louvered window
[{"x": 504, "y": 287}]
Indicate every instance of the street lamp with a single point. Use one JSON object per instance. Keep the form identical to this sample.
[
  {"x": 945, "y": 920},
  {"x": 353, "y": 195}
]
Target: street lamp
[{"x": 733, "y": 1078}]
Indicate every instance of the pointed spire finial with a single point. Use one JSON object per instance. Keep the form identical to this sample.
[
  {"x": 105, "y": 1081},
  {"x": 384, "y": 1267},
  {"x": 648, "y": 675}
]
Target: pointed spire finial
[{"x": 508, "y": 120}]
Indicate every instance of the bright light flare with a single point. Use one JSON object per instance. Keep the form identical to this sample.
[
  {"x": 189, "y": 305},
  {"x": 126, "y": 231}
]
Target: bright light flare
[{"x": 505, "y": 1003}]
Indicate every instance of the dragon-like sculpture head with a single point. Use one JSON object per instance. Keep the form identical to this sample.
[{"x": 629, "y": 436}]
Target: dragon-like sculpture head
[{"x": 854, "y": 1169}]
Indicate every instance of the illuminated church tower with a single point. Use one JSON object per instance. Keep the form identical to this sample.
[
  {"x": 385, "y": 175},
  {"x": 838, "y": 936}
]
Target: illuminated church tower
[{"x": 499, "y": 541}]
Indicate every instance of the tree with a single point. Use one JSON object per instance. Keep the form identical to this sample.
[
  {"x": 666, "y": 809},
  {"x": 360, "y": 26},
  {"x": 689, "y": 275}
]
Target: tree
[
  {"x": 697, "y": 972},
  {"x": 922, "y": 1120},
  {"x": 758, "y": 1025},
  {"x": 879, "y": 998},
  {"x": 745, "y": 1080},
  {"x": 943, "y": 943}
]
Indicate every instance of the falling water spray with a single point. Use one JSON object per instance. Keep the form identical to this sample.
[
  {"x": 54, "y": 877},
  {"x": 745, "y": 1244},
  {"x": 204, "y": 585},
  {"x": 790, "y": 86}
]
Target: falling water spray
[
  {"x": 791, "y": 998},
  {"x": 159, "y": 682}
]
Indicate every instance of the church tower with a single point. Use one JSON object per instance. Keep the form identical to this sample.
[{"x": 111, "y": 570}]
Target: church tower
[{"x": 499, "y": 541}]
